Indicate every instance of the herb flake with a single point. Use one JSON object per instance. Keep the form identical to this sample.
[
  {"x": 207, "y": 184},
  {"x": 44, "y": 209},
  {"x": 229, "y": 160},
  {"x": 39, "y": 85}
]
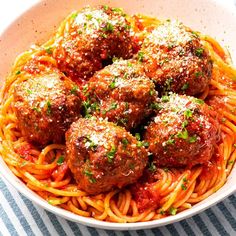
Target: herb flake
[
  {"x": 74, "y": 89},
  {"x": 183, "y": 134},
  {"x": 199, "y": 52},
  {"x": 188, "y": 113},
  {"x": 111, "y": 153},
  {"x": 173, "y": 211},
  {"x": 49, "y": 108},
  {"x": 152, "y": 167},
  {"x": 140, "y": 56},
  {"x": 185, "y": 86},
  {"x": 60, "y": 160}
]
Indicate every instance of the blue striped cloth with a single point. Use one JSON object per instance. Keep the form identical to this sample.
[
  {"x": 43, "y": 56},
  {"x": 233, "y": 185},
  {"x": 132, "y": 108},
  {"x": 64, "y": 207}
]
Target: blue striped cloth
[{"x": 19, "y": 216}]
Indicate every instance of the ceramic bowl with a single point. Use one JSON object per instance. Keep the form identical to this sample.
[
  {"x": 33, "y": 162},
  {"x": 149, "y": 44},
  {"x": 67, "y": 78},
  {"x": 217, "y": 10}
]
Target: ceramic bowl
[{"x": 37, "y": 24}]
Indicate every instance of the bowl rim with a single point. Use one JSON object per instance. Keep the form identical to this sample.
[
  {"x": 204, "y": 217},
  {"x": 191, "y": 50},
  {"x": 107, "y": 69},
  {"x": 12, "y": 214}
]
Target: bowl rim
[{"x": 7, "y": 175}]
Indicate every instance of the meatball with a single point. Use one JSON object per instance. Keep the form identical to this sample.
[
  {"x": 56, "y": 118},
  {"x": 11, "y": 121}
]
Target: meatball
[
  {"x": 45, "y": 106},
  {"x": 174, "y": 57},
  {"x": 102, "y": 156},
  {"x": 92, "y": 37},
  {"x": 121, "y": 93},
  {"x": 184, "y": 132}
]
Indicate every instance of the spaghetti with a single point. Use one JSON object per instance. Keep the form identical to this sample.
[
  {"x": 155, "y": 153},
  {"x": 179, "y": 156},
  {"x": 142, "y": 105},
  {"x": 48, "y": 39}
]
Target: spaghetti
[{"x": 45, "y": 172}]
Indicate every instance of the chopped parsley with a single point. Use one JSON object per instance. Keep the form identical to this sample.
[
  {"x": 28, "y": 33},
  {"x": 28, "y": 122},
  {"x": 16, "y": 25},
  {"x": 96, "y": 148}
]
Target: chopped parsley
[
  {"x": 181, "y": 52},
  {"x": 113, "y": 84},
  {"x": 95, "y": 106},
  {"x": 140, "y": 56},
  {"x": 29, "y": 91},
  {"x": 86, "y": 105},
  {"x": 91, "y": 144},
  {"x": 165, "y": 99},
  {"x": 111, "y": 153},
  {"x": 165, "y": 121},
  {"x": 170, "y": 141},
  {"x": 183, "y": 134},
  {"x": 198, "y": 74},
  {"x": 113, "y": 106},
  {"x": 155, "y": 106},
  {"x": 198, "y": 101},
  {"x": 125, "y": 142},
  {"x": 127, "y": 27},
  {"x": 114, "y": 59},
  {"x": 129, "y": 64},
  {"x": 89, "y": 174},
  {"x": 18, "y": 72},
  {"x": 105, "y": 7},
  {"x": 185, "y": 180},
  {"x": 185, "y": 123},
  {"x": 145, "y": 144},
  {"x": 139, "y": 144},
  {"x": 60, "y": 160},
  {"x": 152, "y": 92},
  {"x": 162, "y": 212},
  {"x": 161, "y": 63},
  {"x": 193, "y": 139},
  {"x": 195, "y": 34},
  {"x": 117, "y": 9},
  {"x": 170, "y": 45},
  {"x": 48, "y": 50},
  {"x": 137, "y": 136},
  {"x": 74, "y": 89},
  {"x": 74, "y": 15},
  {"x": 122, "y": 121},
  {"x": 104, "y": 36},
  {"x": 89, "y": 16},
  {"x": 188, "y": 113},
  {"x": 49, "y": 108},
  {"x": 85, "y": 89},
  {"x": 126, "y": 106},
  {"x": 36, "y": 109},
  {"x": 152, "y": 167},
  {"x": 90, "y": 107},
  {"x": 168, "y": 84},
  {"x": 142, "y": 144},
  {"x": 173, "y": 211},
  {"x": 109, "y": 27},
  {"x": 199, "y": 52},
  {"x": 185, "y": 86},
  {"x": 183, "y": 186}
]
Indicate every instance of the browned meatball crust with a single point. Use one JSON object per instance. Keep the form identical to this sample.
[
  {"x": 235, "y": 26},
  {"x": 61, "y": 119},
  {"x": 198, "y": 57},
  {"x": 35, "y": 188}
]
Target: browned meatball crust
[
  {"x": 174, "y": 57},
  {"x": 121, "y": 93},
  {"x": 102, "y": 156},
  {"x": 184, "y": 132},
  {"x": 45, "y": 106},
  {"x": 94, "y": 35}
]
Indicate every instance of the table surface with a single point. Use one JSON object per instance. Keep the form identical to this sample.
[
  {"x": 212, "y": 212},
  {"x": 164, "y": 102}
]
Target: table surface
[{"x": 19, "y": 216}]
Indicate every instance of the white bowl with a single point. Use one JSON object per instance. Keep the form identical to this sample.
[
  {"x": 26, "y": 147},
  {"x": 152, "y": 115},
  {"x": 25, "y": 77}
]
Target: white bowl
[{"x": 215, "y": 18}]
